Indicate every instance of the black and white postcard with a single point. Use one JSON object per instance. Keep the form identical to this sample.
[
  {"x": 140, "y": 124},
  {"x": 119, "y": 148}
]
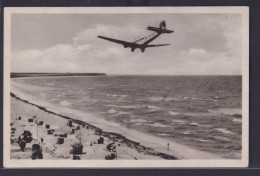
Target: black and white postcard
[{"x": 126, "y": 87}]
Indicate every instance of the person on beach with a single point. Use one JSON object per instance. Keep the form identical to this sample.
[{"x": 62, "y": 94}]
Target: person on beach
[{"x": 168, "y": 146}]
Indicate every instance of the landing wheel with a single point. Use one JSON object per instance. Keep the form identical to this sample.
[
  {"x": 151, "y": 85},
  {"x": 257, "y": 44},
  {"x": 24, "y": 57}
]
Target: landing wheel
[{"x": 132, "y": 49}]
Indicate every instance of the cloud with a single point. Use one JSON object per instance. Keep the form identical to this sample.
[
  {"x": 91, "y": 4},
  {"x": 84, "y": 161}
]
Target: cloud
[{"x": 87, "y": 53}]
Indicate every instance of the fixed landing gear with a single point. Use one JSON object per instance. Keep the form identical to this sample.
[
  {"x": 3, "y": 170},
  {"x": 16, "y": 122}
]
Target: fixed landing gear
[
  {"x": 142, "y": 49},
  {"x": 132, "y": 49}
]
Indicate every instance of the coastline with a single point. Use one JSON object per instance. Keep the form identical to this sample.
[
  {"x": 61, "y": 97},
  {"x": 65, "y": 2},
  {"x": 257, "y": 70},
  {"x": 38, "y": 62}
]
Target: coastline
[
  {"x": 147, "y": 152},
  {"x": 147, "y": 144},
  {"x": 177, "y": 150},
  {"x": 21, "y": 75}
]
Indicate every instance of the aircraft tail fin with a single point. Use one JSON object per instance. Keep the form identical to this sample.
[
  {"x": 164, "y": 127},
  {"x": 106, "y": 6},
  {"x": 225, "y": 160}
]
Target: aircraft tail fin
[{"x": 161, "y": 29}]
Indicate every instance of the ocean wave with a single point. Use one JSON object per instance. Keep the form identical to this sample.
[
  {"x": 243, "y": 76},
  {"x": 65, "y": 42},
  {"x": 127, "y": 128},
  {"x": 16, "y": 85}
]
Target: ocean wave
[
  {"x": 224, "y": 130},
  {"x": 136, "y": 107},
  {"x": 138, "y": 120},
  {"x": 116, "y": 95},
  {"x": 123, "y": 113},
  {"x": 103, "y": 85},
  {"x": 162, "y": 99},
  {"x": 156, "y": 124},
  {"x": 65, "y": 103},
  {"x": 226, "y": 111},
  {"x": 112, "y": 111},
  {"x": 222, "y": 138},
  {"x": 203, "y": 140},
  {"x": 178, "y": 121},
  {"x": 125, "y": 85},
  {"x": 125, "y": 107},
  {"x": 123, "y": 100},
  {"x": 42, "y": 94},
  {"x": 237, "y": 120},
  {"x": 173, "y": 113},
  {"x": 194, "y": 124},
  {"x": 163, "y": 134},
  {"x": 186, "y": 132},
  {"x": 128, "y": 89}
]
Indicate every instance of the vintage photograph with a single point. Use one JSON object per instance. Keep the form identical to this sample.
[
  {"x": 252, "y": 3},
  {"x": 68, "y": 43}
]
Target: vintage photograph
[{"x": 152, "y": 87}]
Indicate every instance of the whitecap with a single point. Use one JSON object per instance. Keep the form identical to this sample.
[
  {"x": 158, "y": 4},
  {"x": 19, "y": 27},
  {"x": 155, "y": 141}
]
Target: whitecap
[
  {"x": 152, "y": 107},
  {"x": 237, "y": 120},
  {"x": 126, "y": 107},
  {"x": 224, "y": 130},
  {"x": 158, "y": 125},
  {"x": 226, "y": 111},
  {"x": 185, "y": 98},
  {"x": 163, "y": 134},
  {"x": 178, "y": 121},
  {"x": 221, "y": 138},
  {"x": 186, "y": 132},
  {"x": 204, "y": 140},
  {"x": 112, "y": 111},
  {"x": 123, "y": 113},
  {"x": 138, "y": 120},
  {"x": 173, "y": 113}
]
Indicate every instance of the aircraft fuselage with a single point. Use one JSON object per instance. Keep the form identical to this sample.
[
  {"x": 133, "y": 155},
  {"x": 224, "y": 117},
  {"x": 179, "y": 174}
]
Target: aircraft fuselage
[{"x": 133, "y": 45}]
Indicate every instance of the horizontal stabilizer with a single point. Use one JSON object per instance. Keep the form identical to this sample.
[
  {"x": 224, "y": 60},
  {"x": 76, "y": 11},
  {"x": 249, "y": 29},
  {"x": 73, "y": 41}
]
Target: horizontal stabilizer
[
  {"x": 159, "y": 30},
  {"x": 157, "y": 45}
]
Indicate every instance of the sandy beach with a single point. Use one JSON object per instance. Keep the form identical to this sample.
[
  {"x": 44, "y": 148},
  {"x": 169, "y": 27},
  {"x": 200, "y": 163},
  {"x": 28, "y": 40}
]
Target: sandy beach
[
  {"x": 125, "y": 148},
  {"x": 135, "y": 146}
]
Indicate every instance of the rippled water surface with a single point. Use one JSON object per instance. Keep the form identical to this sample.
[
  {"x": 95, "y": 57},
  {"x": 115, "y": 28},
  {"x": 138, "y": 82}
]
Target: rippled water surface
[{"x": 203, "y": 112}]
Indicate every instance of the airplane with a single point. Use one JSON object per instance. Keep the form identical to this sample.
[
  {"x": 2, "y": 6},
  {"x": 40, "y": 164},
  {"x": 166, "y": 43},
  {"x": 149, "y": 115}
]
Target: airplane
[{"x": 133, "y": 45}]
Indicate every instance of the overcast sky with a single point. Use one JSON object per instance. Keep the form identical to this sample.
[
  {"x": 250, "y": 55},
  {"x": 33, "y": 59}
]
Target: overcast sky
[{"x": 202, "y": 44}]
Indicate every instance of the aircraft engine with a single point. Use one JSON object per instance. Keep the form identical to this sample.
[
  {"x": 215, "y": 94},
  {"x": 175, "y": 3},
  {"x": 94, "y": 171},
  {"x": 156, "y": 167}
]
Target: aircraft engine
[{"x": 125, "y": 46}]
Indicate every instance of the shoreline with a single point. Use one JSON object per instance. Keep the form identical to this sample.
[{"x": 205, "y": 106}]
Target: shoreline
[
  {"x": 115, "y": 137},
  {"x": 180, "y": 151},
  {"x": 25, "y": 75}
]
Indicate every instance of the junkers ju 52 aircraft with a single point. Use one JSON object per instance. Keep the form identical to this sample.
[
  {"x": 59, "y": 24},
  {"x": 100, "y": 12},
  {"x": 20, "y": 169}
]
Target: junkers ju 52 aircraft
[{"x": 142, "y": 46}]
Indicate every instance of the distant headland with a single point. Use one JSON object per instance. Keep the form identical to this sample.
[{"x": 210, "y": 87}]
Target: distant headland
[{"x": 17, "y": 75}]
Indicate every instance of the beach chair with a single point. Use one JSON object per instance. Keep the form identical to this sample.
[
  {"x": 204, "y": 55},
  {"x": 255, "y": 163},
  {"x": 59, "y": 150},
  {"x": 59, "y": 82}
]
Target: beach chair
[
  {"x": 101, "y": 140},
  {"x": 36, "y": 147},
  {"x": 69, "y": 123},
  {"x": 50, "y": 131},
  {"x": 110, "y": 157},
  {"x": 76, "y": 157},
  {"x": 77, "y": 149},
  {"x": 40, "y": 123},
  {"x": 30, "y": 120},
  {"x": 60, "y": 140}
]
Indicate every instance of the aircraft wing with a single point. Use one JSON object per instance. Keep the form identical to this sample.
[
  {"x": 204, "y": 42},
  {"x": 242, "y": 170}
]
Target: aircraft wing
[
  {"x": 157, "y": 45},
  {"x": 116, "y": 41}
]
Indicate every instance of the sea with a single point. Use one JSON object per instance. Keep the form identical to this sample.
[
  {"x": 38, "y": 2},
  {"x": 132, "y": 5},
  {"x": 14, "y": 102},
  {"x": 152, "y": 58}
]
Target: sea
[{"x": 201, "y": 112}]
